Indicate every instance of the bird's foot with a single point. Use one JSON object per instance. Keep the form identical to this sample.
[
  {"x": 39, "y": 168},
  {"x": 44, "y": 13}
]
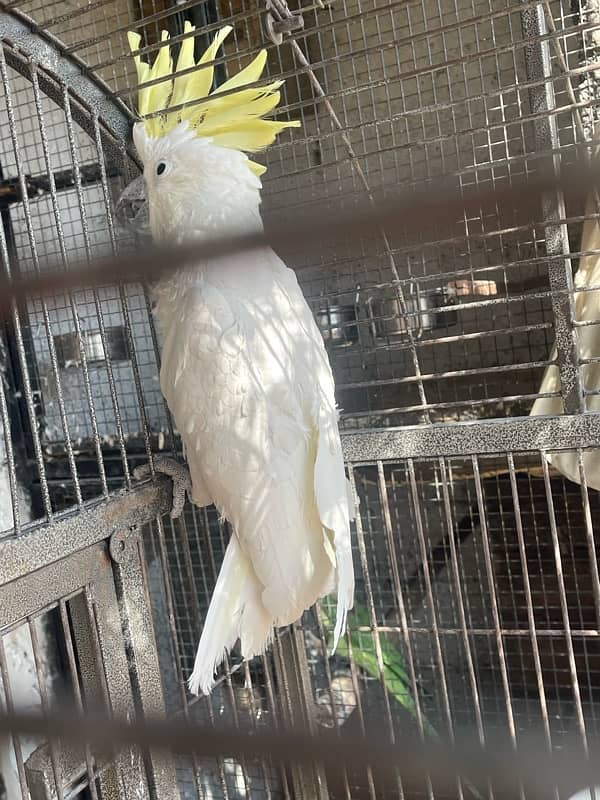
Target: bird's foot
[{"x": 179, "y": 474}]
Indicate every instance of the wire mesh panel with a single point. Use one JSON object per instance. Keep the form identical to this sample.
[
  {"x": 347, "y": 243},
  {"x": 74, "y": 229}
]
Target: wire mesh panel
[{"x": 477, "y": 576}]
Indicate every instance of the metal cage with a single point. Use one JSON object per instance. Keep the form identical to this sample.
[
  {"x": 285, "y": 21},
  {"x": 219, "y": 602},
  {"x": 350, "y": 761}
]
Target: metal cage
[{"x": 478, "y": 590}]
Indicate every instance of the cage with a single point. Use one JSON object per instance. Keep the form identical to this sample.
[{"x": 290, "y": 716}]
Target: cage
[{"x": 478, "y": 591}]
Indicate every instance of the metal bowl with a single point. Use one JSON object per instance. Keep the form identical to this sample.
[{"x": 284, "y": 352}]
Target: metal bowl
[
  {"x": 338, "y": 324},
  {"x": 387, "y": 318},
  {"x": 115, "y": 346}
]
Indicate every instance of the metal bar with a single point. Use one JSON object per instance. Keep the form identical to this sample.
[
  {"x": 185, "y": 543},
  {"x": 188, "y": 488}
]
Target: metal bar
[
  {"x": 76, "y": 689},
  {"x": 529, "y": 603},
  {"x": 47, "y": 543},
  {"x": 8, "y": 704},
  {"x": 564, "y": 607},
  {"x": 494, "y": 604},
  {"x": 433, "y": 612},
  {"x": 98, "y": 304},
  {"x": 92, "y": 677},
  {"x": 460, "y": 602},
  {"x": 56, "y": 766},
  {"x": 134, "y": 604},
  {"x": 291, "y": 672},
  {"x": 541, "y": 772},
  {"x": 511, "y": 434},
  {"x": 310, "y": 230},
  {"x": 362, "y": 550},
  {"x": 108, "y": 638},
  {"x": 560, "y": 270},
  {"x": 401, "y": 608}
]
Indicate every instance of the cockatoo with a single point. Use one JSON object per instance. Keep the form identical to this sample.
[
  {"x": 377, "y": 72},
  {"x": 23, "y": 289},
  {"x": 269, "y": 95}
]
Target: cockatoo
[{"x": 244, "y": 368}]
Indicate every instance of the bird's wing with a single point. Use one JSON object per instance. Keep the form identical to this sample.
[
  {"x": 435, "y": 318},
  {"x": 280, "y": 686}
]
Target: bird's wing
[
  {"x": 332, "y": 490},
  {"x": 201, "y": 377},
  {"x": 251, "y": 391},
  {"x": 228, "y": 377}
]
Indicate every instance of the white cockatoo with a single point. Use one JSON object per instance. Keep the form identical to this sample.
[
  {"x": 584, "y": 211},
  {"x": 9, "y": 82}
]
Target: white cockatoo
[{"x": 244, "y": 368}]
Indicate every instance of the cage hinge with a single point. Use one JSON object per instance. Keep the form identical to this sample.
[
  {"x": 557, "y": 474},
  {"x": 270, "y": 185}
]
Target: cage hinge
[
  {"x": 121, "y": 544},
  {"x": 277, "y": 27}
]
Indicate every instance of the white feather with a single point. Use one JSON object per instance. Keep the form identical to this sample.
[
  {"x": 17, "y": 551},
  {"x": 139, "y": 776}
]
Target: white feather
[
  {"x": 235, "y": 612},
  {"x": 247, "y": 378}
]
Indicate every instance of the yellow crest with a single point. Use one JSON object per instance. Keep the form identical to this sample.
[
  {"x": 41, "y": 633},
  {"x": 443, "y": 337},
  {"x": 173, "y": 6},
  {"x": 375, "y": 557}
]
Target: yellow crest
[{"x": 230, "y": 118}]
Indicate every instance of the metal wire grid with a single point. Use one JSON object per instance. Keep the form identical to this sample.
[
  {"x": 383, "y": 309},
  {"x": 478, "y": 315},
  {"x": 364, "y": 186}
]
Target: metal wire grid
[
  {"x": 183, "y": 559},
  {"x": 411, "y": 93},
  {"x": 73, "y": 393},
  {"x": 487, "y": 637}
]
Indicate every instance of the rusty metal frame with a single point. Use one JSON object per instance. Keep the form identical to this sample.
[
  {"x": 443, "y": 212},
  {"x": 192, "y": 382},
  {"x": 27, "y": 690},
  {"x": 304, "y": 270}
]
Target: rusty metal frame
[
  {"x": 503, "y": 435},
  {"x": 97, "y": 553}
]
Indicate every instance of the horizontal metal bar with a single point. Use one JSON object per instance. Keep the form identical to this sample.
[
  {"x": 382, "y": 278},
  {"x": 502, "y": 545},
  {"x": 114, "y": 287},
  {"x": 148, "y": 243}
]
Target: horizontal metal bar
[
  {"x": 510, "y": 435},
  {"x": 539, "y": 771},
  {"x": 407, "y": 213},
  {"x": 39, "y": 589},
  {"x": 46, "y": 543},
  {"x": 540, "y": 633}
]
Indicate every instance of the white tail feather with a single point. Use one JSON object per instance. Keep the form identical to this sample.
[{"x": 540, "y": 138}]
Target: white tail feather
[
  {"x": 345, "y": 594},
  {"x": 235, "y": 611}
]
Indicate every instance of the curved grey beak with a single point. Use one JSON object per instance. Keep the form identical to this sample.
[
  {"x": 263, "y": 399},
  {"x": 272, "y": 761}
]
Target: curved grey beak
[{"x": 131, "y": 209}]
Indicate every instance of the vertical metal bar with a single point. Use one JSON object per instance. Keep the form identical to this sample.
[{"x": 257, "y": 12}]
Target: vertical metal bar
[
  {"x": 360, "y": 535},
  {"x": 489, "y": 567},
  {"x": 105, "y": 618},
  {"x": 10, "y": 708},
  {"x": 64, "y": 258},
  {"x": 589, "y": 535},
  {"x": 361, "y": 716},
  {"x": 140, "y": 644},
  {"x": 6, "y": 439},
  {"x": 460, "y": 600},
  {"x": 291, "y": 671},
  {"x": 325, "y": 656},
  {"x": 564, "y": 606},
  {"x": 431, "y": 602},
  {"x": 34, "y": 253},
  {"x": 487, "y": 554},
  {"x": 529, "y": 602},
  {"x": 263, "y": 763},
  {"x": 270, "y": 692},
  {"x": 24, "y": 368},
  {"x": 45, "y": 705},
  {"x": 560, "y": 271},
  {"x": 137, "y": 379},
  {"x": 93, "y": 681},
  {"x": 170, "y": 602},
  {"x": 109, "y": 369},
  {"x": 397, "y": 583},
  {"x": 68, "y": 640}
]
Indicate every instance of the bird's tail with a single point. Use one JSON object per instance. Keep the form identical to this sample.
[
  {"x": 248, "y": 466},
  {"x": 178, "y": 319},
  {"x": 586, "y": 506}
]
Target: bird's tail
[{"x": 236, "y": 611}]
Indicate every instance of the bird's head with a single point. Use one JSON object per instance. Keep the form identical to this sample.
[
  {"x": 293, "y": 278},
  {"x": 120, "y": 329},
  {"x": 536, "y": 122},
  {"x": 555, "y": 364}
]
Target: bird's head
[{"x": 193, "y": 142}]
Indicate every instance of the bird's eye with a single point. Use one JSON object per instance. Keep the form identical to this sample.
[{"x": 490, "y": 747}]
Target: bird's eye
[{"x": 160, "y": 167}]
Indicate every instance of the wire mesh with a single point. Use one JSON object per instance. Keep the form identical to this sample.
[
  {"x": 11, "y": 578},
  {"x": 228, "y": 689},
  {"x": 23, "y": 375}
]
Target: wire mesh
[{"x": 477, "y": 581}]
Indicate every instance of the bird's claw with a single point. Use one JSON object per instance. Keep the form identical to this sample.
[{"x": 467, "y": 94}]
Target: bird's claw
[{"x": 179, "y": 474}]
